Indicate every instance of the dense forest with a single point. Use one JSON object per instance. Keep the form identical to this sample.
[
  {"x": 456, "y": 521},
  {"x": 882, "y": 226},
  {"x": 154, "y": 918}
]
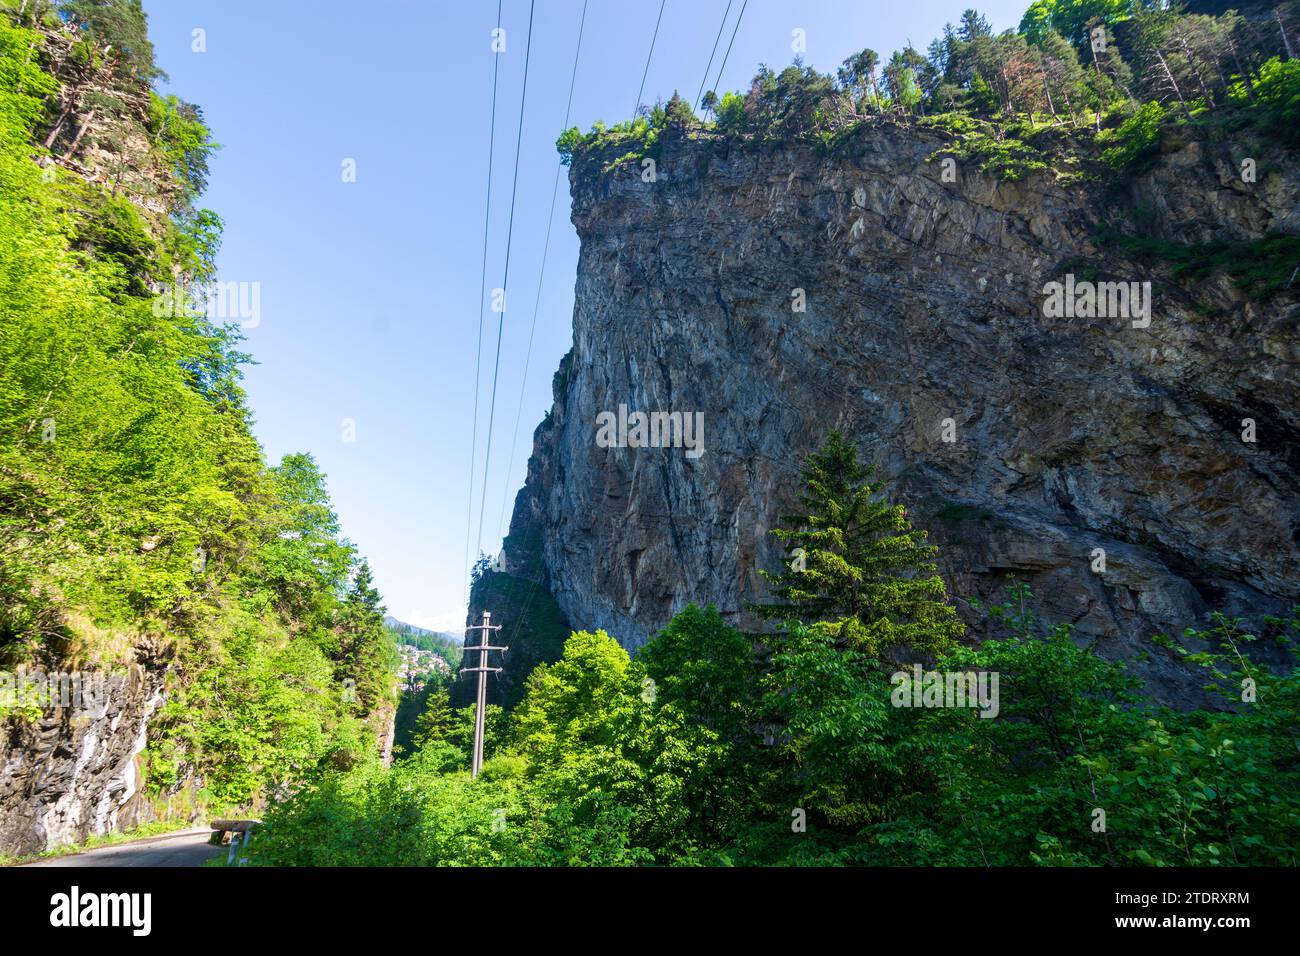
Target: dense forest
[
  {"x": 139, "y": 523},
  {"x": 818, "y": 745}
]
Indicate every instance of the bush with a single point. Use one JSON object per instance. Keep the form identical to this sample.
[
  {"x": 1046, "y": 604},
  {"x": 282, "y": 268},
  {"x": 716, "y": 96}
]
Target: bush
[
  {"x": 1277, "y": 98},
  {"x": 1136, "y": 139}
]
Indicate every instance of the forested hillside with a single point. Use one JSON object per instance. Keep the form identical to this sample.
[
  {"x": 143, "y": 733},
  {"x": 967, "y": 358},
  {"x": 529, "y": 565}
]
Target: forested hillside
[{"x": 139, "y": 525}]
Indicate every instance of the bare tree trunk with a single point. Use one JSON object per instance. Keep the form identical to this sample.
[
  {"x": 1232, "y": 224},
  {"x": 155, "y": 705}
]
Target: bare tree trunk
[
  {"x": 1173, "y": 83},
  {"x": 1006, "y": 87},
  {"x": 1100, "y": 76},
  {"x": 1286, "y": 40},
  {"x": 1242, "y": 71},
  {"x": 1217, "y": 54},
  {"x": 1047, "y": 88},
  {"x": 58, "y": 127},
  {"x": 1196, "y": 71},
  {"x": 1069, "y": 105},
  {"x": 81, "y": 131}
]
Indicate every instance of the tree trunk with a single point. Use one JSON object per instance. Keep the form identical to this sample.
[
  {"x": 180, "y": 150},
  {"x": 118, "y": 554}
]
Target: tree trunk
[
  {"x": 1173, "y": 83},
  {"x": 1069, "y": 106},
  {"x": 1286, "y": 40},
  {"x": 58, "y": 127},
  {"x": 1242, "y": 72},
  {"x": 1047, "y": 88},
  {"x": 1196, "y": 71},
  {"x": 1100, "y": 77},
  {"x": 81, "y": 131}
]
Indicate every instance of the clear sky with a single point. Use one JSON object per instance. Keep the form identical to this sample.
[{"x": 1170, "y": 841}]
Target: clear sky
[{"x": 370, "y": 289}]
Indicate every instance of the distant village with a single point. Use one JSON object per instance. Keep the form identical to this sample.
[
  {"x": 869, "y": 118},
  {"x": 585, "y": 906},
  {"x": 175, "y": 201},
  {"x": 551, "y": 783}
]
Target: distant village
[{"x": 417, "y": 665}]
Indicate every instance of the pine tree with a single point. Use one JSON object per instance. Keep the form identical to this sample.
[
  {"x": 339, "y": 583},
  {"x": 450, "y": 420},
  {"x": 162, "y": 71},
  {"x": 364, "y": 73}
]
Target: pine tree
[
  {"x": 858, "y": 569},
  {"x": 857, "y": 77},
  {"x": 1066, "y": 80},
  {"x": 363, "y": 642},
  {"x": 436, "y": 721}
]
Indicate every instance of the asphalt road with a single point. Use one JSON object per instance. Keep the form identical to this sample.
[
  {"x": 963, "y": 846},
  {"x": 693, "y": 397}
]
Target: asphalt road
[{"x": 186, "y": 848}]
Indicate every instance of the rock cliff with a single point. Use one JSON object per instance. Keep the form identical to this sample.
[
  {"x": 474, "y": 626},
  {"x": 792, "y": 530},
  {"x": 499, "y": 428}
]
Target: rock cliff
[
  {"x": 71, "y": 773},
  {"x": 923, "y": 320}
]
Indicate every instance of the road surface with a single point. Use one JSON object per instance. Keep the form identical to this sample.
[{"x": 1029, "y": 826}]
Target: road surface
[{"x": 186, "y": 848}]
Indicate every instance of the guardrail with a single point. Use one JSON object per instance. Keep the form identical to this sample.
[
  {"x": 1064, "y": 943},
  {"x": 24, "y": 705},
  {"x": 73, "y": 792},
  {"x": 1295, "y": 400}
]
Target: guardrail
[{"x": 238, "y": 832}]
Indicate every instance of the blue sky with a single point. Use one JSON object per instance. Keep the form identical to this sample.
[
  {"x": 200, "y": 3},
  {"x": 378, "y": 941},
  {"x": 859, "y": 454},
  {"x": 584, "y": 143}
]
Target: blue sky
[{"x": 370, "y": 289}]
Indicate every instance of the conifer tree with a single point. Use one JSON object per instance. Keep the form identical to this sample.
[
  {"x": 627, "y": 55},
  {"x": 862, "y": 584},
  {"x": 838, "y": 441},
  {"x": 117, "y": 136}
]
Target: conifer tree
[
  {"x": 858, "y": 569},
  {"x": 436, "y": 721},
  {"x": 363, "y": 643}
]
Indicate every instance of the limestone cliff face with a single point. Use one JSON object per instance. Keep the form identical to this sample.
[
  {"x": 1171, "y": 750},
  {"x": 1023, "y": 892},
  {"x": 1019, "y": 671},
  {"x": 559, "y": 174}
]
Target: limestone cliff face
[
  {"x": 924, "y": 302},
  {"x": 71, "y": 774}
]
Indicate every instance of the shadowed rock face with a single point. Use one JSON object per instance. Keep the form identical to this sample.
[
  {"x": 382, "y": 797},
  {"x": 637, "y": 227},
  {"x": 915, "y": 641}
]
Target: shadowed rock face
[
  {"x": 71, "y": 774},
  {"x": 924, "y": 302}
]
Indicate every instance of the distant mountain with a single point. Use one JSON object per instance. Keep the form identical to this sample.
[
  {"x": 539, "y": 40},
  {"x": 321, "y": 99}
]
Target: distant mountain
[{"x": 404, "y": 629}]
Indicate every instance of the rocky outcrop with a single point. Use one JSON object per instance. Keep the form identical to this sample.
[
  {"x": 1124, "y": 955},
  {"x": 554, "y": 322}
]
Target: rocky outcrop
[
  {"x": 71, "y": 773},
  {"x": 924, "y": 320}
]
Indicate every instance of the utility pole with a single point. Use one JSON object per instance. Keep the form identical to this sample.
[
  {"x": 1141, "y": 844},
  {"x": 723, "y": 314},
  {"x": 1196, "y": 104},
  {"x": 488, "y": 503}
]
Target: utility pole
[{"x": 482, "y": 670}]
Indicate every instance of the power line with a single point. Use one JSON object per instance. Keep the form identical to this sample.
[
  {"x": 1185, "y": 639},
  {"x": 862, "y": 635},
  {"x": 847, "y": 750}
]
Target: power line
[
  {"x": 727, "y": 55},
  {"x": 478, "y": 355},
  {"x": 662, "y": 4},
  {"x": 532, "y": 590},
  {"x": 505, "y": 279},
  {"x": 721, "y": 26},
  {"x": 546, "y": 245}
]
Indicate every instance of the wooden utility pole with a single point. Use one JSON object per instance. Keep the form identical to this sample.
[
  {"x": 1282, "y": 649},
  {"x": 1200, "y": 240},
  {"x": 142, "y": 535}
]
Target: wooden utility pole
[{"x": 482, "y": 670}]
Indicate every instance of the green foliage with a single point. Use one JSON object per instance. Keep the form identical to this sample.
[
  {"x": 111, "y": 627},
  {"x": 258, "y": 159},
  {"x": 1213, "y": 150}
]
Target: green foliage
[
  {"x": 184, "y": 140},
  {"x": 1071, "y": 18},
  {"x": 1136, "y": 139},
  {"x": 999, "y": 93},
  {"x": 707, "y": 750},
  {"x": 1073, "y": 738},
  {"x": 858, "y": 570},
  {"x": 1260, "y": 268},
  {"x": 116, "y": 231},
  {"x": 569, "y": 140},
  {"x": 435, "y": 723},
  {"x": 119, "y": 25},
  {"x": 731, "y": 112},
  {"x": 136, "y": 512},
  {"x": 996, "y": 152},
  {"x": 1274, "y": 98}
]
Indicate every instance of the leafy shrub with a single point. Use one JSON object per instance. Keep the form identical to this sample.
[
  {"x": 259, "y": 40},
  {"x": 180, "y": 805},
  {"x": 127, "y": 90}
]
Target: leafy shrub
[
  {"x": 1136, "y": 139},
  {"x": 1277, "y": 98}
]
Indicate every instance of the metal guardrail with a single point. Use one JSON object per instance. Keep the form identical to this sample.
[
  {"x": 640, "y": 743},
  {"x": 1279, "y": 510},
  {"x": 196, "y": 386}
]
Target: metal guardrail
[{"x": 241, "y": 834}]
